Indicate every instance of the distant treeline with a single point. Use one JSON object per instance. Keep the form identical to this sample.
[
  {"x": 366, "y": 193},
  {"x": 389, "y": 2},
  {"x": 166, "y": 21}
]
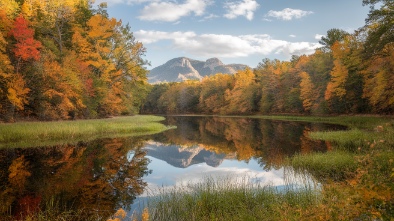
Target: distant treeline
[
  {"x": 352, "y": 73},
  {"x": 64, "y": 59}
]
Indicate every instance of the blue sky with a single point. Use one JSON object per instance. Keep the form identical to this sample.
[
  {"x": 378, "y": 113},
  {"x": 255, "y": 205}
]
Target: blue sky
[{"x": 235, "y": 31}]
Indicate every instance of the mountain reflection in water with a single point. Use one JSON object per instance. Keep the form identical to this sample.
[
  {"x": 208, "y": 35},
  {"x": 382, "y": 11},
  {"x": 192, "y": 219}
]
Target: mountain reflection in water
[{"x": 104, "y": 175}]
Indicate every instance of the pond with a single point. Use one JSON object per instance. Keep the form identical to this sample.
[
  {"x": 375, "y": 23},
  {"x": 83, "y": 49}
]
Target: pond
[{"x": 106, "y": 174}]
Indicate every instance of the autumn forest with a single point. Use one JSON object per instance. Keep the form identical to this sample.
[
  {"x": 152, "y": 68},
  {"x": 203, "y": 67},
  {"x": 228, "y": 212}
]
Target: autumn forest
[
  {"x": 64, "y": 59},
  {"x": 69, "y": 60}
]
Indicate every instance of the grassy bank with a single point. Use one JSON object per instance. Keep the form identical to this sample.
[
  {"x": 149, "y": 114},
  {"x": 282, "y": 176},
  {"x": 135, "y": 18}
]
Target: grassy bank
[
  {"x": 30, "y": 134},
  {"x": 353, "y": 122},
  {"x": 358, "y": 174}
]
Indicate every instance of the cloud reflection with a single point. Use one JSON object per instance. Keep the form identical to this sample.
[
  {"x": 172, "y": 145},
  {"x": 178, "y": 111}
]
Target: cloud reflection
[{"x": 166, "y": 176}]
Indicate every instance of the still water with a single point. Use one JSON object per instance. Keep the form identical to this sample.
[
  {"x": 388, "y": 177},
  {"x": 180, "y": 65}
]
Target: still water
[{"x": 106, "y": 174}]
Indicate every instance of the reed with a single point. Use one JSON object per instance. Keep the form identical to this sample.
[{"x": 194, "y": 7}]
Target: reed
[
  {"x": 53, "y": 210},
  {"x": 226, "y": 199}
]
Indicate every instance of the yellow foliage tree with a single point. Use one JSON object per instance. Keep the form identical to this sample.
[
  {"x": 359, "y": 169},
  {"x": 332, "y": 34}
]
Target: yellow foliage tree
[
  {"x": 339, "y": 74},
  {"x": 17, "y": 91},
  {"x": 242, "y": 97},
  {"x": 212, "y": 96},
  {"x": 307, "y": 91},
  {"x": 379, "y": 81},
  {"x": 6, "y": 68},
  {"x": 10, "y": 7},
  {"x": 61, "y": 87}
]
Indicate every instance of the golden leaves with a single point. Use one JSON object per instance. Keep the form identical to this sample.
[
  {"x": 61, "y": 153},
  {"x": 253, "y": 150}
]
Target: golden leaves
[
  {"x": 339, "y": 74},
  {"x": 18, "y": 172},
  {"x": 17, "y": 91},
  {"x": 101, "y": 28},
  {"x": 379, "y": 80},
  {"x": 307, "y": 91},
  {"x": 9, "y": 6}
]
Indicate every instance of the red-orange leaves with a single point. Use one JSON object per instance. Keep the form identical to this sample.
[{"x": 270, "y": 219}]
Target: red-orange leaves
[{"x": 26, "y": 47}]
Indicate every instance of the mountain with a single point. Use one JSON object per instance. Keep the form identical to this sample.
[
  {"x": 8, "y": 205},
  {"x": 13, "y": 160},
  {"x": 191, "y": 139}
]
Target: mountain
[
  {"x": 184, "y": 157},
  {"x": 180, "y": 69}
]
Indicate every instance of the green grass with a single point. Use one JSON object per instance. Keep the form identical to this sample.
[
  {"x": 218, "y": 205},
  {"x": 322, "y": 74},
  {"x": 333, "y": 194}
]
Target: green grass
[
  {"x": 30, "y": 134},
  {"x": 359, "y": 122},
  {"x": 355, "y": 139},
  {"x": 224, "y": 199},
  {"x": 333, "y": 165}
]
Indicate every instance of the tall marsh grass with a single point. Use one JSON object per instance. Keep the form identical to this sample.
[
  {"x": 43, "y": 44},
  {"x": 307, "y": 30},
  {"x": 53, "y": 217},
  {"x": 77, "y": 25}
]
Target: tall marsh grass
[
  {"x": 229, "y": 199},
  {"x": 29, "y": 134},
  {"x": 53, "y": 210}
]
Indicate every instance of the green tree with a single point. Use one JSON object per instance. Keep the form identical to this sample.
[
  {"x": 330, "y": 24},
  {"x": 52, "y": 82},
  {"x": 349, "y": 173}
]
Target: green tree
[
  {"x": 333, "y": 35},
  {"x": 269, "y": 73},
  {"x": 318, "y": 67},
  {"x": 379, "y": 25},
  {"x": 127, "y": 56},
  {"x": 151, "y": 104}
]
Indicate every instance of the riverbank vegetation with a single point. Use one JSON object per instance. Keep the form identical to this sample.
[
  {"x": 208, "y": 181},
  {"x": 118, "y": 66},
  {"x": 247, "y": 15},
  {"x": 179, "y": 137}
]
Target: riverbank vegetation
[
  {"x": 30, "y": 134},
  {"x": 356, "y": 183}
]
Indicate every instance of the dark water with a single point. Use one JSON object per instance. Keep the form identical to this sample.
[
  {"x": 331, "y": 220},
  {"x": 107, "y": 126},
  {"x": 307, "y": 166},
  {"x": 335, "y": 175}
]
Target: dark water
[{"x": 104, "y": 175}]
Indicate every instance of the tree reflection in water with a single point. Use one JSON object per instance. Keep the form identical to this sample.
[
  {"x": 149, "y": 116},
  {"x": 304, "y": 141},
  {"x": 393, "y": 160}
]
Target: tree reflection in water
[
  {"x": 97, "y": 177},
  {"x": 268, "y": 141}
]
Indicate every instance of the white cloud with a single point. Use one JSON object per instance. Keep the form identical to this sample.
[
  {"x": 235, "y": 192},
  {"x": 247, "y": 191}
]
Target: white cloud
[
  {"x": 292, "y": 36},
  {"x": 288, "y": 14},
  {"x": 209, "y": 17},
  {"x": 244, "y": 8},
  {"x": 148, "y": 37},
  {"x": 170, "y": 11},
  {"x": 318, "y": 36},
  {"x": 298, "y": 48},
  {"x": 230, "y": 46}
]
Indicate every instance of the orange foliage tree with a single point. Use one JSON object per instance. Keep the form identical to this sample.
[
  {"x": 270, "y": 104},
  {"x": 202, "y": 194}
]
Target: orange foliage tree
[{"x": 26, "y": 47}]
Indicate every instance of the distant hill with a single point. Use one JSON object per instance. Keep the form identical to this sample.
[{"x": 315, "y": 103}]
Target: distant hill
[{"x": 180, "y": 69}]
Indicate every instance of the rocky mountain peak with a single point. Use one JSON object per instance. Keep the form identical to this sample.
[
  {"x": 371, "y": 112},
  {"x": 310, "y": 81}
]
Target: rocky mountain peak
[
  {"x": 212, "y": 63},
  {"x": 182, "y": 61},
  {"x": 182, "y": 68}
]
